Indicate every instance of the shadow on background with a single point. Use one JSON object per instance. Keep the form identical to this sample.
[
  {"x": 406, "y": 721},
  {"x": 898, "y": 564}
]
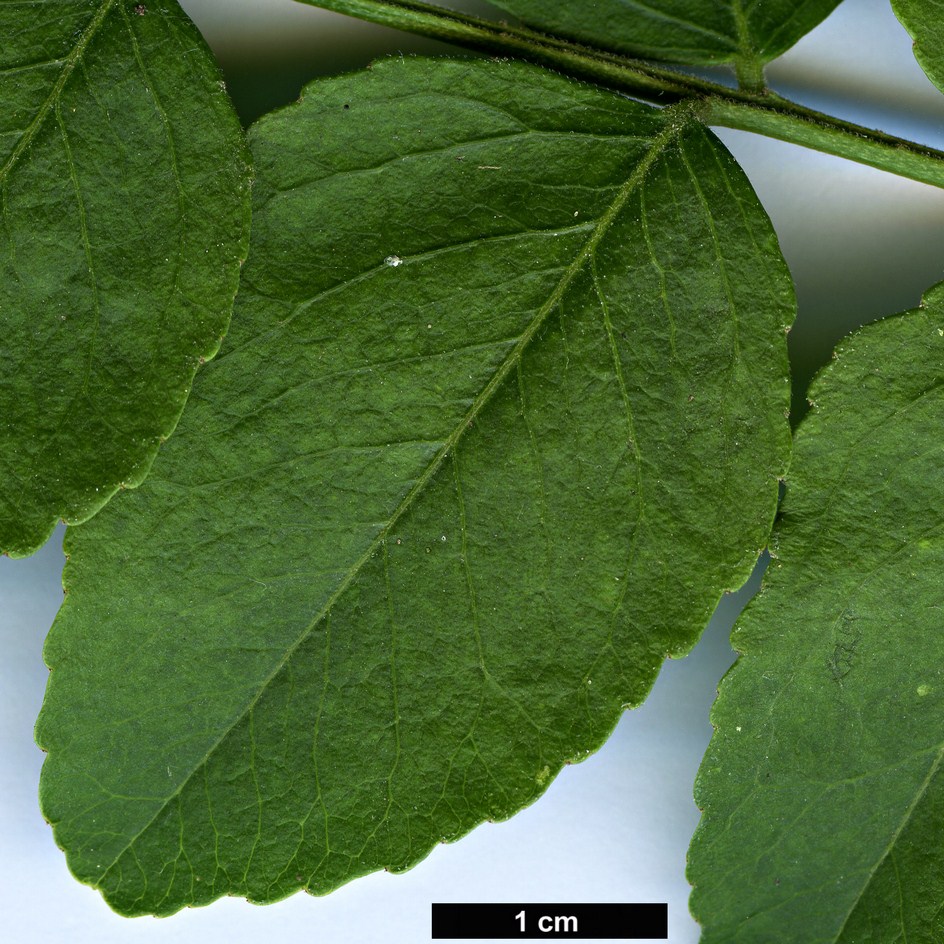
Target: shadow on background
[{"x": 270, "y": 50}]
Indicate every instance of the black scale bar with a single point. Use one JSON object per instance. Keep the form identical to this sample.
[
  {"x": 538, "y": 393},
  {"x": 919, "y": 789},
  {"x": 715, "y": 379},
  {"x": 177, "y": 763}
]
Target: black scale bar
[{"x": 612, "y": 922}]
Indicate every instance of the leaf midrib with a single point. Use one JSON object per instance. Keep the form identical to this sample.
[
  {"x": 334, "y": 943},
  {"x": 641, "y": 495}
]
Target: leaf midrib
[
  {"x": 68, "y": 66},
  {"x": 746, "y": 52},
  {"x": 678, "y": 118}
]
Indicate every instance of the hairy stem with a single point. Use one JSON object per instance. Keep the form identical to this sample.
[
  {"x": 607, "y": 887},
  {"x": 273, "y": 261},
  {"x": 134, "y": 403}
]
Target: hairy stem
[
  {"x": 747, "y": 109},
  {"x": 781, "y": 119}
]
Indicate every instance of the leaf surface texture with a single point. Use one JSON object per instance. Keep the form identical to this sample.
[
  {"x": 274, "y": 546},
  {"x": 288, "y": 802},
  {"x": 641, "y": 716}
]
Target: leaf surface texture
[
  {"x": 924, "y": 20},
  {"x": 500, "y": 415},
  {"x": 822, "y": 788},
  {"x": 124, "y": 212},
  {"x": 696, "y": 32}
]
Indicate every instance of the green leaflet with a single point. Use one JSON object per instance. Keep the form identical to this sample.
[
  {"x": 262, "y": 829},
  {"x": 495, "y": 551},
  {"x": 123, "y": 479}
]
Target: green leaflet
[
  {"x": 500, "y": 416},
  {"x": 695, "y": 32},
  {"x": 822, "y": 790},
  {"x": 124, "y": 214},
  {"x": 924, "y": 20}
]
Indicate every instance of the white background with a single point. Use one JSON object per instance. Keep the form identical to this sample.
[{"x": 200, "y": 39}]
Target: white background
[{"x": 616, "y": 827}]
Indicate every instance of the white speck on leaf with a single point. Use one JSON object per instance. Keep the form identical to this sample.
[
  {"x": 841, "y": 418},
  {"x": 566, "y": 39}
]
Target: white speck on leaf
[{"x": 393, "y": 261}]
